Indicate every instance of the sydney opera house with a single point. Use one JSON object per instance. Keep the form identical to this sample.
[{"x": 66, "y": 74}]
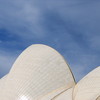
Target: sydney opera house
[{"x": 41, "y": 73}]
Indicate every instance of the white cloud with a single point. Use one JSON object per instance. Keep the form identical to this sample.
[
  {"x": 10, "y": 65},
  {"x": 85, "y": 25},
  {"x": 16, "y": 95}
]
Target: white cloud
[
  {"x": 24, "y": 17},
  {"x": 27, "y": 19},
  {"x": 21, "y": 18}
]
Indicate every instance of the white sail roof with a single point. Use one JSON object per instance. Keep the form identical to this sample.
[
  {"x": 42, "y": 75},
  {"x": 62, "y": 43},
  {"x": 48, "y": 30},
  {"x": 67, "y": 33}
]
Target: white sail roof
[
  {"x": 39, "y": 71},
  {"x": 89, "y": 87}
]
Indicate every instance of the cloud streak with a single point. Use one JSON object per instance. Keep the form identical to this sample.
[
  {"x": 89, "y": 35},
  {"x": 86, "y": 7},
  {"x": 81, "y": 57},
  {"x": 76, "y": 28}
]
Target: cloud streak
[
  {"x": 69, "y": 26},
  {"x": 6, "y": 62}
]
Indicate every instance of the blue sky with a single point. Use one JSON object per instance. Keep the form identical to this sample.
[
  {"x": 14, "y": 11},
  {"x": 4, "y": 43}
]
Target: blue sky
[{"x": 72, "y": 27}]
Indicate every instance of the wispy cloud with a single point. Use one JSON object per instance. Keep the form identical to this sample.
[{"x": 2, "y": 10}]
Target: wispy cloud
[
  {"x": 6, "y": 62},
  {"x": 21, "y": 18},
  {"x": 69, "y": 26},
  {"x": 26, "y": 18}
]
